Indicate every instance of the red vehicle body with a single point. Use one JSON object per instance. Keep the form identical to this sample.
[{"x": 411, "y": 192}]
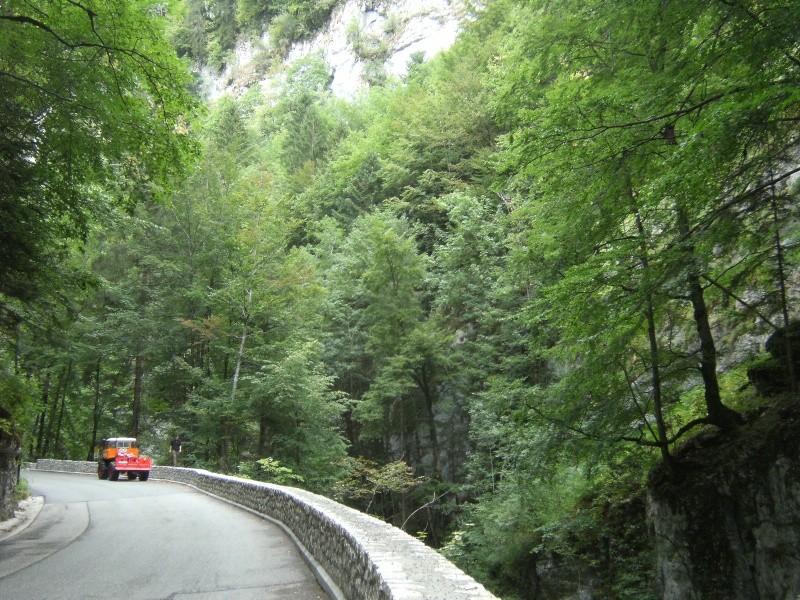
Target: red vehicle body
[{"x": 121, "y": 455}]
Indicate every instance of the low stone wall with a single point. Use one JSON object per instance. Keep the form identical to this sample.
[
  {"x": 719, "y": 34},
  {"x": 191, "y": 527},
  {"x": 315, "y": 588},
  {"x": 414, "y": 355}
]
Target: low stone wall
[{"x": 355, "y": 556}]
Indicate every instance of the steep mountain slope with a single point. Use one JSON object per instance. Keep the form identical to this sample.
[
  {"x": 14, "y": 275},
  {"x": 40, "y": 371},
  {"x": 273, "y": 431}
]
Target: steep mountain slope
[{"x": 364, "y": 42}]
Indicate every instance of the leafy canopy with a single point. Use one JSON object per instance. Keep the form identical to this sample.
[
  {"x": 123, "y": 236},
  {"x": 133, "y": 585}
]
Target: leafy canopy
[{"x": 93, "y": 114}]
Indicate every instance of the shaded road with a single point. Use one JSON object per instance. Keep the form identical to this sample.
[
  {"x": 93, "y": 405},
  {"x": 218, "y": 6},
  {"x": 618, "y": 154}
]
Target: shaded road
[{"x": 147, "y": 541}]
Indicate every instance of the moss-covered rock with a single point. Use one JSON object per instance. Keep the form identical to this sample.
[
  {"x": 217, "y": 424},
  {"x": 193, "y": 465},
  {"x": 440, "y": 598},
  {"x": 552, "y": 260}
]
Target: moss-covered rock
[{"x": 773, "y": 375}]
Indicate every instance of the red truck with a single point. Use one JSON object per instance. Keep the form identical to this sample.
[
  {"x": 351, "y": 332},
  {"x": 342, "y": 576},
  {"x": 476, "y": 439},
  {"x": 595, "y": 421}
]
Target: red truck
[{"x": 121, "y": 455}]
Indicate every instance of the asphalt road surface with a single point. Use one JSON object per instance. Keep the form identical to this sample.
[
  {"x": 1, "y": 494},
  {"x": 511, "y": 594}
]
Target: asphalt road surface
[{"x": 147, "y": 541}]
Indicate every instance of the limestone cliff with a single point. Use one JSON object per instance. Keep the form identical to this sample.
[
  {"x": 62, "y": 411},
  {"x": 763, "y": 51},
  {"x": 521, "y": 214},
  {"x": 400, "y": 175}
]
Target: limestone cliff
[
  {"x": 363, "y": 39},
  {"x": 726, "y": 521}
]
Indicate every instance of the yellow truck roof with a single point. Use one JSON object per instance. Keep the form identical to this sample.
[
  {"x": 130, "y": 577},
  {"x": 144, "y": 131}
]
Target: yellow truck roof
[{"x": 120, "y": 442}]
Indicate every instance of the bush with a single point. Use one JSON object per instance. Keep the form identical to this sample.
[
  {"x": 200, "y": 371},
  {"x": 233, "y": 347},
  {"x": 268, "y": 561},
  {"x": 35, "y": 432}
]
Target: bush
[
  {"x": 283, "y": 30},
  {"x": 270, "y": 470},
  {"x": 21, "y": 492}
]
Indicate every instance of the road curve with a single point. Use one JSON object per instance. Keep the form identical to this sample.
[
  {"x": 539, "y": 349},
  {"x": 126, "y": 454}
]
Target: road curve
[{"x": 149, "y": 540}]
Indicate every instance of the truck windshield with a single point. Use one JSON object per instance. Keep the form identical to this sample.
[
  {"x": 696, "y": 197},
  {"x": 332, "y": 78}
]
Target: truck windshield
[{"x": 123, "y": 443}]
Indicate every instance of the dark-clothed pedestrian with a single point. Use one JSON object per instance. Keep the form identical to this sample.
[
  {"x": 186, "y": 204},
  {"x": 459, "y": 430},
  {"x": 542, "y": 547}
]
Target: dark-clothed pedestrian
[{"x": 175, "y": 448}]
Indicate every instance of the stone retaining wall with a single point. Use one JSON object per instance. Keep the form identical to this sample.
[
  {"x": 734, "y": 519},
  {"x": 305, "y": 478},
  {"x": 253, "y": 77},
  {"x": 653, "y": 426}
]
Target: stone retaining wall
[{"x": 355, "y": 556}]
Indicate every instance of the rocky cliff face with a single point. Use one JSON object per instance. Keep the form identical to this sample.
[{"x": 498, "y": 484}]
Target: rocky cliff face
[
  {"x": 9, "y": 457},
  {"x": 364, "y": 40},
  {"x": 726, "y": 523}
]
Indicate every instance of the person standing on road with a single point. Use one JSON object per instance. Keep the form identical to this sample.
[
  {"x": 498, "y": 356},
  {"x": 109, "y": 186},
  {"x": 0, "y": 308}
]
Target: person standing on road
[{"x": 175, "y": 448}]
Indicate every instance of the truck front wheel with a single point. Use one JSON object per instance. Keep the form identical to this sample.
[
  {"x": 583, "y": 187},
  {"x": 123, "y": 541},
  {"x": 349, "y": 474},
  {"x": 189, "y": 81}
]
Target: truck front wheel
[
  {"x": 143, "y": 475},
  {"x": 102, "y": 471}
]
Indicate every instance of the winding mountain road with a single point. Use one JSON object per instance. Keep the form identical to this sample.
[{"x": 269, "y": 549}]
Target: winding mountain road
[{"x": 147, "y": 541}]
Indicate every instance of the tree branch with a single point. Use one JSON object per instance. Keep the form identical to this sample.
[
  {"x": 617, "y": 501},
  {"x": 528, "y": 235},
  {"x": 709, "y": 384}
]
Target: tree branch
[
  {"x": 681, "y": 432},
  {"x": 129, "y": 52},
  {"x": 756, "y": 19},
  {"x": 741, "y": 301},
  {"x": 427, "y": 504}
]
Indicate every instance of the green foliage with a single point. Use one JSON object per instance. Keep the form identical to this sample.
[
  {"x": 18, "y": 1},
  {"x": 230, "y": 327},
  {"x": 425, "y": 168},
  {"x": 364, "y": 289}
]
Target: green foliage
[
  {"x": 293, "y": 400},
  {"x": 312, "y": 14},
  {"x": 286, "y": 20},
  {"x": 366, "y": 47},
  {"x": 284, "y": 29},
  {"x": 381, "y": 275},
  {"x": 373, "y": 487},
  {"x": 191, "y": 35},
  {"x": 207, "y": 30},
  {"x": 250, "y": 14},
  {"x": 588, "y": 520},
  {"x": 308, "y": 130},
  {"x": 271, "y": 470},
  {"x": 17, "y": 404},
  {"x": 69, "y": 152},
  {"x": 21, "y": 492},
  {"x": 613, "y": 161}
]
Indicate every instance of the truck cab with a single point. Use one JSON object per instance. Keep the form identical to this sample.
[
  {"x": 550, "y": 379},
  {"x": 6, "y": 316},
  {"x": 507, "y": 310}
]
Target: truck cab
[
  {"x": 112, "y": 446},
  {"x": 117, "y": 455}
]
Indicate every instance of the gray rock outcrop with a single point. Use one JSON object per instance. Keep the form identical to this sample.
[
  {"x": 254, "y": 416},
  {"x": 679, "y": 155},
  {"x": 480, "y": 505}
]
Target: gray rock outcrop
[{"x": 727, "y": 521}]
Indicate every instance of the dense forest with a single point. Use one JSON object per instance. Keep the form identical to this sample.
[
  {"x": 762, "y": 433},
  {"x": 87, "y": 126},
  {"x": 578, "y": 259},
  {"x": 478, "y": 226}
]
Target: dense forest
[{"x": 483, "y": 302}]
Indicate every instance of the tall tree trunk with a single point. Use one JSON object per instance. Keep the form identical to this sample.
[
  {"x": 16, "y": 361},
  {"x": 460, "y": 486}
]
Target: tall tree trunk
[
  {"x": 96, "y": 411},
  {"x": 427, "y": 392},
  {"x": 51, "y": 419},
  {"x": 57, "y": 440},
  {"x": 32, "y": 448},
  {"x": 415, "y": 453},
  {"x": 41, "y": 420},
  {"x": 655, "y": 376},
  {"x": 404, "y": 454},
  {"x": 263, "y": 437},
  {"x": 238, "y": 368},
  {"x": 16, "y": 348},
  {"x": 226, "y": 435},
  {"x": 718, "y": 414},
  {"x": 652, "y": 338},
  {"x": 788, "y": 338},
  {"x": 64, "y": 388},
  {"x": 224, "y": 449},
  {"x": 138, "y": 375}
]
